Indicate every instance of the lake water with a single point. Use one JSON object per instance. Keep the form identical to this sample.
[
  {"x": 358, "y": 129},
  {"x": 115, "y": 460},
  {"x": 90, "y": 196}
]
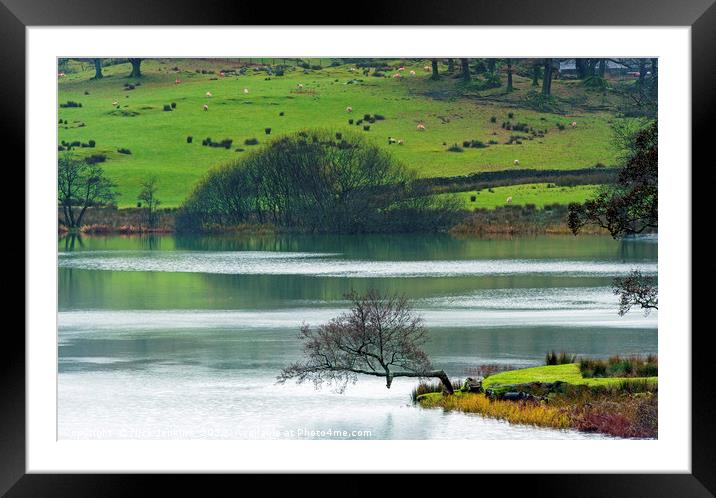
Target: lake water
[{"x": 182, "y": 337}]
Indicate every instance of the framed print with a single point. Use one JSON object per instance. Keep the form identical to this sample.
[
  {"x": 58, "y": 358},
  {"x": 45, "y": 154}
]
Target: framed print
[{"x": 421, "y": 243}]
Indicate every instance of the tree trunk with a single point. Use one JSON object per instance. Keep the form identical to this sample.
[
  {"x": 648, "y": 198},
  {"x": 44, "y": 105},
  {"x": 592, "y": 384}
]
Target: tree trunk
[
  {"x": 535, "y": 76},
  {"x": 654, "y": 68},
  {"x": 465, "y": 69},
  {"x": 451, "y": 65},
  {"x": 547, "y": 81},
  {"x": 435, "y": 75},
  {"x": 642, "y": 75},
  {"x": 509, "y": 75},
  {"x": 602, "y": 67},
  {"x": 98, "y": 69},
  {"x": 439, "y": 374},
  {"x": 491, "y": 65},
  {"x": 581, "y": 65},
  {"x": 136, "y": 68}
]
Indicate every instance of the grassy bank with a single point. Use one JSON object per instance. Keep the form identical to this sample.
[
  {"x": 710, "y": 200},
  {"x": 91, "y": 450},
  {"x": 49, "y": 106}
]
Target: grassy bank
[
  {"x": 140, "y": 138},
  {"x": 559, "y": 396}
]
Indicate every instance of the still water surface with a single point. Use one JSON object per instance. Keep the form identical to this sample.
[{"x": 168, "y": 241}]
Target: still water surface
[{"x": 182, "y": 337}]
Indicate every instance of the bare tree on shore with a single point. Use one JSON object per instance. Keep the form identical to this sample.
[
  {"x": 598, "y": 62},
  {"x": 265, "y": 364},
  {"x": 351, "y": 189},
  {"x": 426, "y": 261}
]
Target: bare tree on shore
[{"x": 379, "y": 336}]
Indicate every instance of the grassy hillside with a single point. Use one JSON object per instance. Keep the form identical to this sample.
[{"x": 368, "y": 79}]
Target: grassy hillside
[
  {"x": 451, "y": 112},
  {"x": 539, "y": 194}
]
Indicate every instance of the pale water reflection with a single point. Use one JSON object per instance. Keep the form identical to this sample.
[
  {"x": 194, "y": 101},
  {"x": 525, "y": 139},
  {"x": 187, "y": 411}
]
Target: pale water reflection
[{"x": 168, "y": 337}]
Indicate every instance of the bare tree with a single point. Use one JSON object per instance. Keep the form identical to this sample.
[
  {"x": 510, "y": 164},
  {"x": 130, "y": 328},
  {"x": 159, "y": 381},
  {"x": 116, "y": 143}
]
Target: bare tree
[
  {"x": 148, "y": 196},
  {"x": 79, "y": 186},
  {"x": 380, "y": 336}
]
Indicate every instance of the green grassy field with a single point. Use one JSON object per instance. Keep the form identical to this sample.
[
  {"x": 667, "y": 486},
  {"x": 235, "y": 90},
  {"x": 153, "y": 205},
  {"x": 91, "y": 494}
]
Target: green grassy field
[
  {"x": 566, "y": 373},
  {"x": 157, "y": 139},
  {"x": 538, "y": 194}
]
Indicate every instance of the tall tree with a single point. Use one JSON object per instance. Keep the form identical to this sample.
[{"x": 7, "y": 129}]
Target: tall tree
[
  {"x": 434, "y": 64},
  {"x": 380, "y": 336},
  {"x": 98, "y": 69},
  {"x": 465, "y": 64},
  {"x": 136, "y": 68},
  {"x": 509, "y": 75},
  {"x": 547, "y": 79},
  {"x": 81, "y": 185},
  {"x": 602, "y": 67},
  {"x": 451, "y": 65},
  {"x": 628, "y": 207}
]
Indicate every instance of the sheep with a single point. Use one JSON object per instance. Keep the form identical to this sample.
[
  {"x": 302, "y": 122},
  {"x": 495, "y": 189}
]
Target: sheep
[
  {"x": 397, "y": 75},
  {"x": 115, "y": 103},
  {"x": 208, "y": 94},
  {"x": 509, "y": 200},
  {"x": 246, "y": 90},
  {"x": 391, "y": 140},
  {"x": 401, "y": 69},
  {"x": 60, "y": 75},
  {"x": 206, "y": 107},
  {"x": 300, "y": 86},
  {"x": 400, "y": 142},
  {"x": 177, "y": 81},
  {"x": 427, "y": 68},
  {"x": 412, "y": 73},
  {"x": 574, "y": 124},
  {"x": 349, "y": 109},
  {"x": 517, "y": 162},
  {"x": 420, "y": 127}
]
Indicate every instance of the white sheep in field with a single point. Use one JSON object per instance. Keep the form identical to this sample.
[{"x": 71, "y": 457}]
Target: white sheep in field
[
  {"x": 412, "y": 73},
  {"x": 401, "y": 69},
  {"x": 420, "y": 127},
  {"x": 574, "y": 124},
  {"x": 349, "y": 109},
  {"x": 115, "y": 103},
  {"x": 208, "y": 94},
  {"x": 246, "y": 90},
  {"x": 206, "y": 107},
  {"x": 400, "y": 142},
  {"x": 517, "y": 162},
  {"x": 397, "y": 75},
  {"x": 60, "y": 75},
  {"x": 427, "y": 68},
  {"x": 391, "y": 140},
  {"x": 509, "y": 200},
  {"x": 300, "y": 86}
]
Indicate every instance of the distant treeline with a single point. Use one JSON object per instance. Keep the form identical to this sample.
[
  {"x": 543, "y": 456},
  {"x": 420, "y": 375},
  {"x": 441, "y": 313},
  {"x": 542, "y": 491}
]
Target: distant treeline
[{"x": 316, "y": 181}]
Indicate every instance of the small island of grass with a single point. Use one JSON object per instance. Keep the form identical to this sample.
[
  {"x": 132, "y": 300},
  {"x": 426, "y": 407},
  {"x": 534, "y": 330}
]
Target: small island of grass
[{"x": 617, "y": 396}]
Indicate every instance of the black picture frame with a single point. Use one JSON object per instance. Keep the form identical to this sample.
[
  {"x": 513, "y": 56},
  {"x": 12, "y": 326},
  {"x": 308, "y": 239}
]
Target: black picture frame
[{"x": 16, "y": 15}]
